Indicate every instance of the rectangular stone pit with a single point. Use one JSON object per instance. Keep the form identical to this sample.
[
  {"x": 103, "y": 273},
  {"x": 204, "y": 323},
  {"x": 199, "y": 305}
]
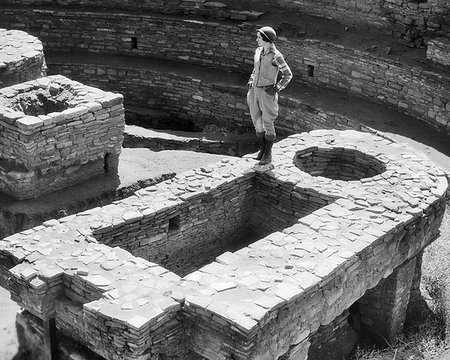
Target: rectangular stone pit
[
  {"x": 55, "y": 132},
  {"x": 190, "y": 234},
  {"x": 182, "y": 234}
]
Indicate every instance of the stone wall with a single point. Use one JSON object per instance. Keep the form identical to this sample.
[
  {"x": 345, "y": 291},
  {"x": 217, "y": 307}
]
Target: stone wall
[
  {"x": 395, "y": 292},
  {"x": 21, "y": 57},
  {"x": 56, "y": 132},
  {"x": 265, "y": 301},
  {"x": 333, "y": 341},
  {"x": 438, "y": 50},
  {"x": 205, "y": 142},
  {"x": 421, "y": 94},
  {"x": 414, "y": 18},
  {"x": 364, "y": 12},
  {"x": 209, "y": 9},
  {"x": 176, "y": 6},
  {"x": 400, "y": 17},
  {"x": 346, "y": 12},
  {"x": 199, "y": 100},
  {"x": 185, "y": 237},
  {"x": 411, "y": 90}
]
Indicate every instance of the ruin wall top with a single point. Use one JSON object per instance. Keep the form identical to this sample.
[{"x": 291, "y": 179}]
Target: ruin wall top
[
  {"x": 380, "y": 205},
  {"x": 21, "y": 57}
]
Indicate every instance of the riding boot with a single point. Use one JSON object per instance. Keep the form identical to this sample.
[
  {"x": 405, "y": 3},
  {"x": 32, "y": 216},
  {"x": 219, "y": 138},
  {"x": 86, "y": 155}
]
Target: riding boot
[
  {"x": 267, "y": 156},
  {"x": 262, "y": 145}
]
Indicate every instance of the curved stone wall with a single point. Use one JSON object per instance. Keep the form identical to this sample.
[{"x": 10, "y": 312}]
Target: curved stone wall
[
  {"x": 210, "y": 9},
  {"x": 422, "y": 94},
  {"x": 338, "y": 164},
  {"x": 419, "y": 17},
  {"x": 198, "y": 99},
  {"x": 402, "y": 17},
  {"x": 21, "y": 57},
  {"x": 412, "y": 90},
  {"x": 144, "y": 5},
  {"x": 215, "y": 45}
]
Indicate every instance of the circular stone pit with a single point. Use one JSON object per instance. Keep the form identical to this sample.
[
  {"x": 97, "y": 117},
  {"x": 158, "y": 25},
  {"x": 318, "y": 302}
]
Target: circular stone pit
[{"x": 338, "y": 163}]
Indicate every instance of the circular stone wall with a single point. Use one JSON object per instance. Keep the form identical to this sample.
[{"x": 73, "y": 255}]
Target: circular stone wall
[
  {"x": 21, "y": 57},
  {"x": 338, "y": 163}
]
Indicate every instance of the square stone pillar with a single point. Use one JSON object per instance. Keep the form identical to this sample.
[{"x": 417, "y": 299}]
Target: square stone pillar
[{"x": 383, "y": 308}]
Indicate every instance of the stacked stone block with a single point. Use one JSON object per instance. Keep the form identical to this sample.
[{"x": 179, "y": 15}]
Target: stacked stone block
[
  {"x": 21, "y": 57},
  {"x": 279, "y": 205},
  {"x": 438, "y": 50},
  {"x": 174, "y": 233},
  {"x": 56, "y": 132},
  {"x": 270, "y": 299},
  {"x": 206, "y": 142},
  {"x": 409, "y": 90},
  {"x": 399, "y": 17},
  {"x": 210, "y": 9},
  {"x": 203, "y": 99},
  {"x": 419, "y": 18},
  {"x": 396, "y": 303},
  {"x": 338, "y": 164},
  {"x": 335, "y": 340},
  {"x": 424, "y": 95}
]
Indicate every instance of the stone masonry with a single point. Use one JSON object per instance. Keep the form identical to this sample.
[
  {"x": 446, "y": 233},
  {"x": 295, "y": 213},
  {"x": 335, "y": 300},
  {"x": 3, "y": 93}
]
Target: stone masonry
[
  {"x": 396, "y": 16},
  {"x": 56, "y": 132},
  {"x": 21, "y": 57},
  {"x": 199, "y": 100},
  {"x": 357, "y": 209},
  {"x": 409, "y": 89},
  {"x": 438, "y": 50}
]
